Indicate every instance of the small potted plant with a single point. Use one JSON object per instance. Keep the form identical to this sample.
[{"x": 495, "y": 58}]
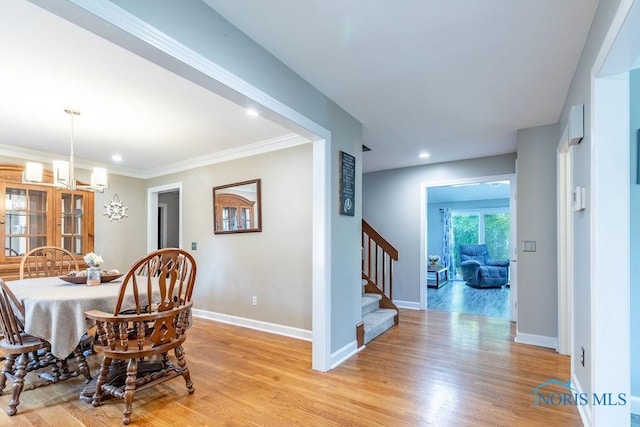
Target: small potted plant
[{"x": 433, "y": 259}]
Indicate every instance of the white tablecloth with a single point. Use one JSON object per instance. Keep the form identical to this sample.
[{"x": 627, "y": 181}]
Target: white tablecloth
[{"x": 54, "y": 309}]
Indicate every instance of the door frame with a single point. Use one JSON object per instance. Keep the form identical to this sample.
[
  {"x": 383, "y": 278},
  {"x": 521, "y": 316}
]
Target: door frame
[
  {"x": 424, "y": 186},
  {"x": 565, "y": 245}
]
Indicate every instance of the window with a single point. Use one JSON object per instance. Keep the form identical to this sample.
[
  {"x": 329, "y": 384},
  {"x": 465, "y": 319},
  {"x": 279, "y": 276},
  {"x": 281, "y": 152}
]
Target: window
[{"x": 490, "y": 226}]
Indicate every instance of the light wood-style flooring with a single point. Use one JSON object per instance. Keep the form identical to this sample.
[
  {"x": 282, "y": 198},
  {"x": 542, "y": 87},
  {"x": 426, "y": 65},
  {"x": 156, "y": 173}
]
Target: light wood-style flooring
[
  {"x": 456, "y": 296},
  {"x": 435, "y": 368}
]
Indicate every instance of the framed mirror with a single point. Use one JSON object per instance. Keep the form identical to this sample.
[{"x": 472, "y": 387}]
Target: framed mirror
[{"x": 237, "y": 208}]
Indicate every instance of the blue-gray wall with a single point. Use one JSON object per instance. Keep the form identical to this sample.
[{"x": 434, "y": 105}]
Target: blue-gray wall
[
  {"x": 537, "y": 221},
  {"x": 634, "y": 243}
]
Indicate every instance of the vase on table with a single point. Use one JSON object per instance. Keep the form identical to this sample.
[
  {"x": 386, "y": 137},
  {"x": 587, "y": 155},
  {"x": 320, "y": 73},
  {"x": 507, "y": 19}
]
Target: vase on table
[{"x": 93, "y": 276}]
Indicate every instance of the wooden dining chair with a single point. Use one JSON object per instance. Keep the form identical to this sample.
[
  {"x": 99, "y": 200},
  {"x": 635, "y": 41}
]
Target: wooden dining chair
[
  {"x": 23, "y": 352},
  {"x": 149, "y": 320},
  {"x": 47, "y": 261},
  {"x": 53, "y": 261}
]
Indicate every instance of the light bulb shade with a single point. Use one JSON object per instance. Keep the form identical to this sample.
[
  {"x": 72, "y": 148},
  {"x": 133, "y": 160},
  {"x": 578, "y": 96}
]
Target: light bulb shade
[
  {"x": 61, "y": 172},
  {"x": 32, "y": 172},
  {"x": 99, "y": 178}
]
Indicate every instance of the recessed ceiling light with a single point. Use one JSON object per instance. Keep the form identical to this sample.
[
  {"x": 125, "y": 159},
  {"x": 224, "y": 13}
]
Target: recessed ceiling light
[
  {"x": 424, "y": 155},
  {"x": 252, "y": 112},
  {"x": 116, "y": 158}
]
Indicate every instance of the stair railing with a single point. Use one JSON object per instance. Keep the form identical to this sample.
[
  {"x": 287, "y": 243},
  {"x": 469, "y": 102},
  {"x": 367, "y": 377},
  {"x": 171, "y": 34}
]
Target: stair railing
[{"x": 377, "y": 260}]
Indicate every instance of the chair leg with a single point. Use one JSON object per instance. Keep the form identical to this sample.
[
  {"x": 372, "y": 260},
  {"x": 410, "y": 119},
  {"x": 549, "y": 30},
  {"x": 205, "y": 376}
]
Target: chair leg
[
  {"x": 182, "y": 363},
  {"x": 8, "y": 368},
  {"x": 83, "y": 367},
  {"x": 55, "y": 371},
  {"x": 130, "y": 390},
  {"x": 18, "y": 384},
  {"x": 102, "y": 379}
]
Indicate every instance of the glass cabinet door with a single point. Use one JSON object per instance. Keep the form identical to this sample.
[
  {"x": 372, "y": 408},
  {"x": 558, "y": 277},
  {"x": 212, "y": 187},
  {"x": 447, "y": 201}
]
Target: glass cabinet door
[
  {"x": 25, "y": 225},
  {"x": 72, "y": 211},
  {"x": 41, "y": 215}
]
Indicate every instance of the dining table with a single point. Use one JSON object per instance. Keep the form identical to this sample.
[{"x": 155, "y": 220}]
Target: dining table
[{"x": 54, "y": 308}]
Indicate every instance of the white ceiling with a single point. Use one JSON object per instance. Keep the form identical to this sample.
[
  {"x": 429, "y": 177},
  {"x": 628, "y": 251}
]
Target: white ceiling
[
  {"x": 454, "y": 78},
  {"x": 468, "y": 192},
  {"x": 129, "y": 106}
]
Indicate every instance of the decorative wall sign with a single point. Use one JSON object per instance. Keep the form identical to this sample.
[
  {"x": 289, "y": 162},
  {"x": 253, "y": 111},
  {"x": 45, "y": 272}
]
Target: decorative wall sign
[
  {"x": 347, "y": 190},
  {"x": 115, "y": 209}
]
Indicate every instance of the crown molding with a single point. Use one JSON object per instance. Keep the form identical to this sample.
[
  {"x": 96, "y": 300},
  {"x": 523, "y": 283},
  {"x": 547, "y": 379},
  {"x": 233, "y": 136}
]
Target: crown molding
[{"x": 261, "y": 147}]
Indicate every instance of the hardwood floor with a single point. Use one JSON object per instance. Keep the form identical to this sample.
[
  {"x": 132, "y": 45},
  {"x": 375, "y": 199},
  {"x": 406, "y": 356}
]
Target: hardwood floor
[
  {"x": 435, "y": 368},
  {"x": 456, "y": 296}
]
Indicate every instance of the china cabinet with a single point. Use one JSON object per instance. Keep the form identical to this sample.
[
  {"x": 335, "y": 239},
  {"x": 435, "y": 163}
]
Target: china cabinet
[
  {"x": 35, "y": 215},
  {"x": 233, "y": 212}
]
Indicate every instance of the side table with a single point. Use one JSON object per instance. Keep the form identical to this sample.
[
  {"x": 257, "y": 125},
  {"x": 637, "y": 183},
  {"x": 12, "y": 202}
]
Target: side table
[{"x": 437, "y": 275}]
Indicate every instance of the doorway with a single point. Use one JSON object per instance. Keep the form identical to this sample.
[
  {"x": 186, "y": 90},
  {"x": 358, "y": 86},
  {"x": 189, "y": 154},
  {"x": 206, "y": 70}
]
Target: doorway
[
  {"x": 485, "y": 210},
  {"x": 468, "y": 214},
  {"x": 168, "y": 219},
  {"x": 164, "y": 216}
]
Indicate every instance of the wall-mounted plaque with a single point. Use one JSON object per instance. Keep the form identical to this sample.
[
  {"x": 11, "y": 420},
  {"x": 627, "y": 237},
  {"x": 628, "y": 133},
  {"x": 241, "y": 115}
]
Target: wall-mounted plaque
[{"x": 347, "y": 184}]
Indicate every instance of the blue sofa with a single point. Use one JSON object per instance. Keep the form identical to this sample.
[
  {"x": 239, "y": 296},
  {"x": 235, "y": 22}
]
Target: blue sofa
[{"x": 479, "y": 270}]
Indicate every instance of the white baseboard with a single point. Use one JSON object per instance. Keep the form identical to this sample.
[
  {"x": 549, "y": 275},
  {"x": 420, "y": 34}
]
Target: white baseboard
[
  {"x": 273, "y": 328},
  {"x": 583, "y": 410},
  {"x": 538, "y": 340},
  {"x": 407, "y": 304},
  {"x": 343, "y": 354}
]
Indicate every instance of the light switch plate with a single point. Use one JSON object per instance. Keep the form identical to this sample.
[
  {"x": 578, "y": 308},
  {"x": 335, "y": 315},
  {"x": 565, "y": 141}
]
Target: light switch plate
[{"x": 579, "y": 199}]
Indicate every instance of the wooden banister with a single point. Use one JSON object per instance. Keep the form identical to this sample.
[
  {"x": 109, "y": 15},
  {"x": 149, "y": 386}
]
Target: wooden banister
[
  {"x": 380, "y": 241},
  {"x": 377, "y": 264}
]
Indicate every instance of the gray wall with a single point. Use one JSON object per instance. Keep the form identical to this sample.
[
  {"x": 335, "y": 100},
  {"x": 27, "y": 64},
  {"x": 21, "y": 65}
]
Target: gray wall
[
  {"x": 580, "y": 93},
  {"x": 536, "y": 212},
  {"x": 274, "y": 265},
  {"x": 391, "y": 204},
  {"x": 122, "y": 243},
  {"x": 634, "y": 189},
  {"x": 231, "y": 268}
]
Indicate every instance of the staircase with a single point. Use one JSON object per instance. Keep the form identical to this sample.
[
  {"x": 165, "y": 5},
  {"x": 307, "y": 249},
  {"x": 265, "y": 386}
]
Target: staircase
[
  {"x": 375, "y": 319},
  {"x": 379, "y": 313}
]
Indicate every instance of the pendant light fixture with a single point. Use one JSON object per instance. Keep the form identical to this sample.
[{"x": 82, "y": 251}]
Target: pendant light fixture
[{"x": 64, "y": 172}]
